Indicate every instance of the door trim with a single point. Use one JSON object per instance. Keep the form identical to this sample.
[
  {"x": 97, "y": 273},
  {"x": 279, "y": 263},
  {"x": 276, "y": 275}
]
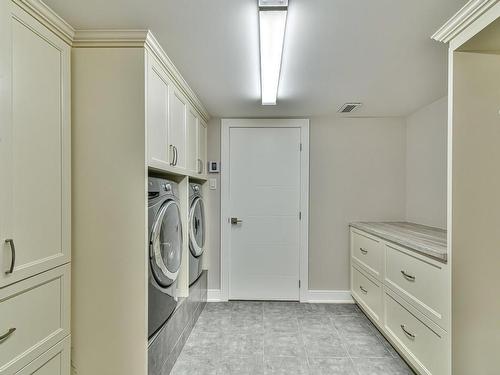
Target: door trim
[{"x": 303, "y": 125}]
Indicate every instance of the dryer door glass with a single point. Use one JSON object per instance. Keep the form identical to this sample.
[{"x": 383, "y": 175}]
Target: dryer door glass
[
  {"x": 166, "y": 244},
  {"x": 197, "y": 227}
]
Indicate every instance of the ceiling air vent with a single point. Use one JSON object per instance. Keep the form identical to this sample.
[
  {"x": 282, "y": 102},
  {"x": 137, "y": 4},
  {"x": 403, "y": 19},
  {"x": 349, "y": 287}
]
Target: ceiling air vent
[{"x": 349, "y": 107}]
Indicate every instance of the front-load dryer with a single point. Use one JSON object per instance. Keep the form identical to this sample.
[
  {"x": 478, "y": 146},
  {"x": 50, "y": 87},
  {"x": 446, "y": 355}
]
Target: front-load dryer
[
  {"x": 165, "y": 250},
  {"x": 196, "y": 231}
]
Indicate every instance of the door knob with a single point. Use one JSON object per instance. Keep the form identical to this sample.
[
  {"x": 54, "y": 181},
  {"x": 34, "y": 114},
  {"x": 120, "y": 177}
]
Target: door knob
[{"x": 235, "y": 220}]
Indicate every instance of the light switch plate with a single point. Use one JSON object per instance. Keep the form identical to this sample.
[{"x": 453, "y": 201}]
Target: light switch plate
[{"x": 212, "y": 184}]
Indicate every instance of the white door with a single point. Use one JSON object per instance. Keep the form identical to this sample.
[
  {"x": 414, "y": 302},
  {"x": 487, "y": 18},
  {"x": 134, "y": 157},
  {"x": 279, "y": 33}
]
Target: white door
[
  {"x": 177, "y": 129},
  {"x": 157, "y": 115},
  {"x": 264, "y": 193},
  {"x": 35, "y": 150},
  {"x": 202, "y": 147},
  {"x": 192, "y": 151}
]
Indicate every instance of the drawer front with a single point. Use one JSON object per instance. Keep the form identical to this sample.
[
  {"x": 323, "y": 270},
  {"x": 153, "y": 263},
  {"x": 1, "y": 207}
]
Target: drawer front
[
  {"x": 367, "y": 292},
  {"x": 426, "y": 347},
  {"x": 422, "y": 283},
  {"x": 55, "y": 361},
  {"x": 368, "y": 252},
  {"x": 38, "y": 309}
]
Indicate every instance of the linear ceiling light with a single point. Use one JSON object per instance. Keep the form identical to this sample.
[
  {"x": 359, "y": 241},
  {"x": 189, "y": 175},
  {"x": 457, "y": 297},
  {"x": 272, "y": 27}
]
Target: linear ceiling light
[{"x": 272, "y": 21}]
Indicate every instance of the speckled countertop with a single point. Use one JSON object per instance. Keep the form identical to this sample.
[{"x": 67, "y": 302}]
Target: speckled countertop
[{"x": 428, "y": 241}]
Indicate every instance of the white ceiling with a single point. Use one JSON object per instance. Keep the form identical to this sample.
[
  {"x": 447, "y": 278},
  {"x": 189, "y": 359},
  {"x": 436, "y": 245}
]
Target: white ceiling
[{"x": 378, "y": 52}]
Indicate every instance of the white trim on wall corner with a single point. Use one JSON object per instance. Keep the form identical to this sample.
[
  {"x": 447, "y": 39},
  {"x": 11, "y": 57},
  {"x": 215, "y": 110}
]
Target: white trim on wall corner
[
  {"x": 214, "y": 295},
  {"x": 329, "y": 296}
]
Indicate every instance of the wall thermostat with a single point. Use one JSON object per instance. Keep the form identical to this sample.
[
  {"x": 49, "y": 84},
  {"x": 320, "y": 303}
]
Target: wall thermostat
[{"x": 213, "y": 167}]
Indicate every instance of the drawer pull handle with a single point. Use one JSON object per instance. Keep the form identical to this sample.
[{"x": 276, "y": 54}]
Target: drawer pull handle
[
  {"x": 7, "y": 335},
  {"x": 363, "y": 290},
  {"x": 363, "y": 251},
  {"x": 13, "y": 259},
  {"x": 408, "y": 276},
  {"x": 409, "y": 334}
]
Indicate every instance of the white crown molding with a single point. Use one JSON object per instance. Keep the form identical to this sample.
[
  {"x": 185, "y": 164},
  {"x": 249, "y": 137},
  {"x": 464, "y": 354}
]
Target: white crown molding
[
  {"x": 462, "y": 19},
  {"x": 139, "y": 39},
  {"x": 48, "y": 18}
]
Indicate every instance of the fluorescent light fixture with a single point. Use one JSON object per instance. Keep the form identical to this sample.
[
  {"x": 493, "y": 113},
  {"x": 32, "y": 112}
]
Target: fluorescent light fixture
[{"x": 272, "y": 20}]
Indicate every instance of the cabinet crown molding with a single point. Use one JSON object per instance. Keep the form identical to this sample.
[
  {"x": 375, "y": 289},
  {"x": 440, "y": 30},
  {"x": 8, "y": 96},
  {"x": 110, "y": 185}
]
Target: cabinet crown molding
[
  {"x": 469, "y": 13},
  {"x": 139, "y": 39},
  {"x": 46, "y": 16}
]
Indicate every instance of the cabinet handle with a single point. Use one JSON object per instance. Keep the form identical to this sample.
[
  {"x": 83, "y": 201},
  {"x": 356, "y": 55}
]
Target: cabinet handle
[
  {"x": 172, "y": 150},
  {"x": 5, "y": 336},
  {"x": 176, "y": 155},
  {"x": 409, "y": 334},
  {"x": 363, "y": 290},
  {"x": 408, "y": 276},
  {"x": 200, "y": 166},
  {"x": 363, "y": 251},
  {"x": 10, "y": 241}
]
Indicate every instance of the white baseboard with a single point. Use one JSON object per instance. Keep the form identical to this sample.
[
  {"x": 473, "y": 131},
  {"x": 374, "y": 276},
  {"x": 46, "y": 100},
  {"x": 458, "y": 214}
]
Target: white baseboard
[
  {"x": 214, "y": 295},
  {"x": 329, "y": 296}
]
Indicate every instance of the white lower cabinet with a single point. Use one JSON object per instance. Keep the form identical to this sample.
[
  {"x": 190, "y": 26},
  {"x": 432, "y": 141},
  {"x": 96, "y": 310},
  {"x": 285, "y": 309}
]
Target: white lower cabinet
[
  {"x": 406, "y": 295},
  {"x": 368, "y": 293},
  {"x": 424, "y": 343},
  {"x": 55, "y": 361},
  {"x": 35, "y": 315}
]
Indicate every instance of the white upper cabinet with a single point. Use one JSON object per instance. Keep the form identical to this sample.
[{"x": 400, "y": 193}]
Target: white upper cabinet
[
  {"x": 177, "y": 129},
  {"x": 202, "y": 148},
  {"x": 158, "y": 89},
  {"x": 34, "y": 149},
  {"x": 192, "y": 141}
]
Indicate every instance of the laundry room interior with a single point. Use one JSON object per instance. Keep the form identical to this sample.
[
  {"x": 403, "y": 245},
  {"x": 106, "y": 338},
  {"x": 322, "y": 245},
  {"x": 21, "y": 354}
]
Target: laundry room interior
[{"x": 251, "y": 187}]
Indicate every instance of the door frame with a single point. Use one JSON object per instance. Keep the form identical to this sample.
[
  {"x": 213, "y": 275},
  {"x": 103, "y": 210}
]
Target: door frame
[{"x": 225, "y": 264}]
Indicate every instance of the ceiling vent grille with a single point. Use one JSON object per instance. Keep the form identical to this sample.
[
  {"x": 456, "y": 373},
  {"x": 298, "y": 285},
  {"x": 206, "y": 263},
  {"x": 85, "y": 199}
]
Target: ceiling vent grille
[{"x": 349, "y": 107}]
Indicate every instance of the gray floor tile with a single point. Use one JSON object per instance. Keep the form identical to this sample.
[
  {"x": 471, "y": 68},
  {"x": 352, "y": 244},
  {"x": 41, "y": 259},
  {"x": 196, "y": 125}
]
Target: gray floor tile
[
  {"x": 366, "y": 347},
  {"x": 381, "y": 366},
  {"x": 283, "y": 345},
  {"x": 286, "y": 338},
  {"x": 242, "y": 345},
  {"x": 331, "y": 366},
  {"x": 343, "y": 309},
  {"x": 316, "y": 322},
  {"x": 323, "y": 344},
  {"x": 190, "y": 365},
  {"x": 241, "y": 366},
  {"x": 285, "y": 366},
  {"x": 203, "y": 344}
]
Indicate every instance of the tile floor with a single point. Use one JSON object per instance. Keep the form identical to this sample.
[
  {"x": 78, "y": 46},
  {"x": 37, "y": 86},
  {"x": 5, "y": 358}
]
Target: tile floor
[{"x": 252, "y": 338}]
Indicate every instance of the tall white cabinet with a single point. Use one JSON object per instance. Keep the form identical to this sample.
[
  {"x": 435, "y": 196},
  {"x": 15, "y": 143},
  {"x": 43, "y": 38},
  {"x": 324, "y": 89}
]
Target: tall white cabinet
[
  {"x": 148, "y": 122},
  {"x": 35, "y": 193},
  {"x": 473, "y": 35}
]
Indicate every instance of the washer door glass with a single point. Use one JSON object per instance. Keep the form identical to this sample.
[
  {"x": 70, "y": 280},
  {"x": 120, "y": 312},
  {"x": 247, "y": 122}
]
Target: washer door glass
[
  {"x": 197, "y": 227},
  {"x": 166, "y": 244}
]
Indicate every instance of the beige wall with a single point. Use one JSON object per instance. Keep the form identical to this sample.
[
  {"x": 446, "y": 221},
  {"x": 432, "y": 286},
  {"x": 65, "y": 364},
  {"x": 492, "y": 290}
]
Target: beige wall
[
  {"x": 426, "y": 155},
  {"x": 357, "y": 173}
]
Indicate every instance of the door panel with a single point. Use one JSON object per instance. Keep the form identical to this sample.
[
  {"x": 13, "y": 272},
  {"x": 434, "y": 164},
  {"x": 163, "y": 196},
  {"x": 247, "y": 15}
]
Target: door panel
[
  {"x": 177, "y": 127},
  {"x": 37, "y": 215},
  {"x": 192, "y": 135},
  {"x": 157, "y": 100},
  {"x": 265, "y": 195},
  {"x": 202, "y": 147}
]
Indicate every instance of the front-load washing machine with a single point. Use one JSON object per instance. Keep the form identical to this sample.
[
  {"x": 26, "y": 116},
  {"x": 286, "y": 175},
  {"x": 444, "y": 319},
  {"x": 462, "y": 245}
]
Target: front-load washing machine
[
  {"x": 196, "y": 231},
  {"x": 165, "y": 250}
]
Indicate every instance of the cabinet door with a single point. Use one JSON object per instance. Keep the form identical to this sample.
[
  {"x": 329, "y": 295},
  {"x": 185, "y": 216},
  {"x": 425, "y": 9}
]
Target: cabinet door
[
  {"x": 35, "y": 315},
  {"x": 158, "y": 89},
  {"x": 192, "y": 143},
  {"x": 55, "y": 361},
  {"x": 202, "y": 147},
  {"x": 36, "y": 154},
  {"x": 177, "y": 129}
]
